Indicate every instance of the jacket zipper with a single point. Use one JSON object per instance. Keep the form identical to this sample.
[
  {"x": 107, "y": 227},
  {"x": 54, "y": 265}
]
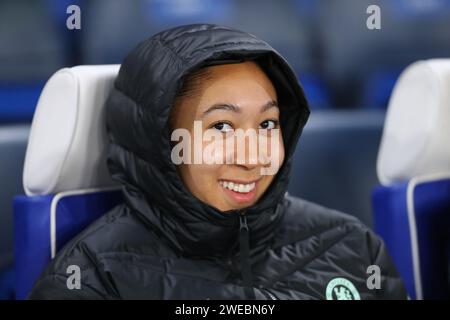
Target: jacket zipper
[
  {"x": 244, "y": 250},
  {"x": 244, "y": 241}
]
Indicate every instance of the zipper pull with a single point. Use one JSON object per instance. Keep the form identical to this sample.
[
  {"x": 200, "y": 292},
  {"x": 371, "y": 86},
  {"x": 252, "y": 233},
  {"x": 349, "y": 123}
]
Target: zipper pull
[{"x": 243, "y": 221}]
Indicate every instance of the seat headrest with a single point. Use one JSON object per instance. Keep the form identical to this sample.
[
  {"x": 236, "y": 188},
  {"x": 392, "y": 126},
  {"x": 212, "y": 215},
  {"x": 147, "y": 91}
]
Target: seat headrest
[
  {"x": 416, "y": 135},
  {"x": 67, "y": 146}
]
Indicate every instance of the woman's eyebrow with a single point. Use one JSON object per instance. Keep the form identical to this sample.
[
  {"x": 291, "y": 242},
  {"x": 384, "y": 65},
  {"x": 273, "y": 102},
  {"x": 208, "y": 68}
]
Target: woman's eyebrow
[
  {"x": 235, "y": 108},
  {"x": 268, "y": 105},
  {"x": 223, "y": 107}
]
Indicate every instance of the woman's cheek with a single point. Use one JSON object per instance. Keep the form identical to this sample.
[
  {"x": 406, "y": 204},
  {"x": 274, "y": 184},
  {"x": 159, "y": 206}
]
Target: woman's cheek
[
  {"x": 282, "y": 154},
  {"x": 272, "y": 156},
  {"x": 214, "y": 150},
  {"x": 200, "y": 180}
]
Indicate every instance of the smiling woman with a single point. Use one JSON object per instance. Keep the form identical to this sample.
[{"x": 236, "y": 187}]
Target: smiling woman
[
  {"x": 231, "y": 97},
  {"x": 221, "y": 230}
]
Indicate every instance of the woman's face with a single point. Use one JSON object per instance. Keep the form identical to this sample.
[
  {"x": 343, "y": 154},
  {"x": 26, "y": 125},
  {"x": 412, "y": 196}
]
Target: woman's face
[{"x": 231, "y": 97}]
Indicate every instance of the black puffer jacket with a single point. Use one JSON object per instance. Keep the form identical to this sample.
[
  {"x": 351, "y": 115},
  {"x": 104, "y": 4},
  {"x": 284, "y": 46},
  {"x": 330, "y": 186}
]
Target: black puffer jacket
[{"x": 163, "y": 243}]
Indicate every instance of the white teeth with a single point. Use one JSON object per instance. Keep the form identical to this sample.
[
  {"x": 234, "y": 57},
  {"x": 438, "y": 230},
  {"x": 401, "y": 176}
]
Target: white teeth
[{"x": 238, "y": 187}]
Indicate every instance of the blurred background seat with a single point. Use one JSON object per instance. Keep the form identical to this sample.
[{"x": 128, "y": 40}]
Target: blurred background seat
[
  {"x": 335, "y": 161},
  {"x": 353, "y": 57},
  {"x": 412, "y": 206},
  {"x": 341, "y": 63},
  {"x": 32, "y": 50},
  {"x": 13, "y": 141}
]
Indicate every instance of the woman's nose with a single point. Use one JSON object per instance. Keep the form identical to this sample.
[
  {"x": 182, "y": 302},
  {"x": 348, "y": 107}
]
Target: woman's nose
[
  {"x": 248, "y": 155},
  {"x": 248, "y": 161}
]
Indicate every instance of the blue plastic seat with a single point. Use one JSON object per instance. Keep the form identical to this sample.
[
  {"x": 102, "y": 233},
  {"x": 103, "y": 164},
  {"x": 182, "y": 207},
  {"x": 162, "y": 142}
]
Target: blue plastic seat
[
  {"x": 65, "y": 178},
  {"x": 414, "y": 220},
  {"x": 44, "y": 224},
  {"x": 412, "y": 204}
]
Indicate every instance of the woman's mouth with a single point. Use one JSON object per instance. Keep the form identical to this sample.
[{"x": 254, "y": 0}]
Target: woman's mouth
[{"x": 239, "y": 191}]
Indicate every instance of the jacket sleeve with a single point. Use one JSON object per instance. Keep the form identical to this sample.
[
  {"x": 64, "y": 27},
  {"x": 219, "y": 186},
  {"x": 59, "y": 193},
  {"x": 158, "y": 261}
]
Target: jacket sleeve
[
  {"x": 391, "y": 285},
  {"x": 54, "y": 286}
]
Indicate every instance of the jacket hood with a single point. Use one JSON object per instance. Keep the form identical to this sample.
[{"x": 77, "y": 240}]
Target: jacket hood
[{"x": 137, "y": 113}]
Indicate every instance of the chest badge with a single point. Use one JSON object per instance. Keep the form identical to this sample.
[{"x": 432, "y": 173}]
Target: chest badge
[{"x": 341, "y": 289}]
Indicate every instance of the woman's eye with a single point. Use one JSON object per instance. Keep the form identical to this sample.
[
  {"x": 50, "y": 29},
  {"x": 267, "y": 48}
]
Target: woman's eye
[
  {"x": 223, "y": 127},
  {"x": 269, "y": 124}
]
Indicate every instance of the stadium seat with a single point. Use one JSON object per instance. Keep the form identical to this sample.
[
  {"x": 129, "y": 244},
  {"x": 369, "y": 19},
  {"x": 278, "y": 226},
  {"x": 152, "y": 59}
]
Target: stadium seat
[
  {"x": 66, "y": 181},
  {"x": 32, "y": 50},
  {"x": 335, "y": 160},
  {"x": 354, "y": 56},
  {"x": 316, "y": 91},
  {"x": 378, "y": 89},
  {"x": 17, "y": 102},
  {"x": 412, "y": 204},
  {"x": 13, "y": 142}
]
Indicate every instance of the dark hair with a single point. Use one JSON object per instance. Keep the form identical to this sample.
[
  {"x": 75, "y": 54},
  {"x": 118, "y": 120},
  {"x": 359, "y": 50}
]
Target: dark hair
[
  {"x": 190, "y": 85},
  {"x": 191, "y": 81}
]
